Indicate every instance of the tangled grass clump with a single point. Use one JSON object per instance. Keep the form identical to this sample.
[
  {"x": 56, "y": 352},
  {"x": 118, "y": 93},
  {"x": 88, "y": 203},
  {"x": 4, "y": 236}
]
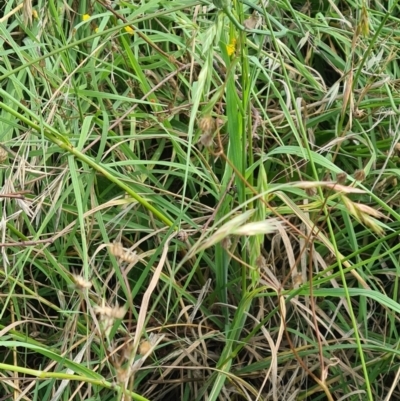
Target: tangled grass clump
[{"x": 200, "y": 201}]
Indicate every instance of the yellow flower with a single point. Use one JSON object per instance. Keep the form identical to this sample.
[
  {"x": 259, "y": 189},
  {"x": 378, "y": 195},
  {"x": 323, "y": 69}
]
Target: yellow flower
[
  {"x": 231, "y": 47},
  {"x": 129, "y": 30},
  {"x": 85, "y": 17},
  {"x": 96, "y": 29},
  {"x": 35, "y": 14}
]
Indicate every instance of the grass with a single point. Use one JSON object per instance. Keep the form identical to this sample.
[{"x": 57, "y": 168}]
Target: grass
[{"x": 200, "y": 201}]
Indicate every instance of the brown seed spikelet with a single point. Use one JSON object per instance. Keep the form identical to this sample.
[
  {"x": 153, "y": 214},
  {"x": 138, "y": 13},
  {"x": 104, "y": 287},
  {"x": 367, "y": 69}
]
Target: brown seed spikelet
[
  {"x": 80, "y": 282},
  {"x": 226, "y": 243},
  {"x": 207, "y": 124},
  {"x": 261, "y": 263},
  {"x": 116, "y": 249},
  {"x": 122, "y": 375},
  {"x": 3, "y": 155},
  {"x": 130, "y": 257},
  {"x": 298, "y": 279},
  {"x": 183, "y": 236},
  {"x": 311, "y": 191},
  {"x": 206, "y": 139},
  {"x": 359, "y": 175},
  {"x": 144, "y": 347},
  {"x": 119, "y": 252},
  {"x": 116, "y": 312},
  {"x": 365, "y": 214},
  {"x": 341, "y": 178}
]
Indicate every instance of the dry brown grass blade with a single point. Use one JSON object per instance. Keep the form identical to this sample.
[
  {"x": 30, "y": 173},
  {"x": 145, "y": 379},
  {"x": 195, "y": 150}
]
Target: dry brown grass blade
[
  {"x": 311, "y": 226},
  {"x": 27, "y": 12},
  {"x": 12, "y": 12},
  {"x": 147, "y": 295}
]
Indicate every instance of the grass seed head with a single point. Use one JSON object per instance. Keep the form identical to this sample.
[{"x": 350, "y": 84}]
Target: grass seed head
[
  {"x": 261, "y": 263},
  {"x": 117, "y": 249},
  {"x": 119, "y": 252},
  {"x": 107, "y": 316},
  {"x": 298, "y": 280},
  {"x": 122, "y": 375},
  {"x": 207, "y": 125},
  {"x": 116, "y": 312},
  {"x": 226, "y": 243},
  {"x": 341, "y": 178},
  {"x": 206, "y": 139},
  {"x": 3, "y": 155},
  {"x": 311, "y": 191},
  {"x": 183, "y": 236},
  {"x": 364, "y": 214},
  {"x": 81, "y": 283},
  {"x": 359, "y": 175},
  {"x": 129, "y": 257},
  {"x": 144, "y": 347},
  {"x": 371, "y": 223}
]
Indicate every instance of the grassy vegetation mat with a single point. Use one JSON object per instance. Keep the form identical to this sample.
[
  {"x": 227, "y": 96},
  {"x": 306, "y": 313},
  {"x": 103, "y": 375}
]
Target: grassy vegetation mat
[{"x": 199, "y": 200}]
